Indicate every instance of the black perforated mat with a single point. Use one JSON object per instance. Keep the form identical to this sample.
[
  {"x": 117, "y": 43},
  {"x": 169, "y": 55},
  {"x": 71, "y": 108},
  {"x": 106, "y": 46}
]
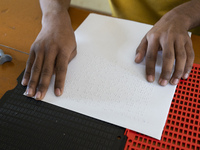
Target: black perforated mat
[{"x": 29, "y": 124}]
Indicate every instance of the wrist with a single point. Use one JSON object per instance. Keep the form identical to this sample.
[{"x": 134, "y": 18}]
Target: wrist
[
  {"x": 58, "y": 17},
  {"x": 54, "y": 11},
  {"x": 179, "y": 19},
  {"x": 185, "y": 15}
]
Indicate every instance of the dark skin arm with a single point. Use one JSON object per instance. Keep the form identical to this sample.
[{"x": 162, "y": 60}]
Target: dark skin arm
[
  {"x": 55, "y": 46},
  {"x": 52, "y": 50},
  {"x": 170, "y": 34}
]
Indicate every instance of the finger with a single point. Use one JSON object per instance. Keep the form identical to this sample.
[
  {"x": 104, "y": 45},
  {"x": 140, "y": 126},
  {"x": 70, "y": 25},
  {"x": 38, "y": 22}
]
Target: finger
[
  {"x": 180, "y": 56},
  {"x": 46, "y": 73},
  {"x": 189, "y": 60},
  {"x": 60, "y": 72},
  {"x": 35, "y": 74},
  {"x": 168, "y": 62},
  {"x": 151, "y": 57},
  {"x": 27, "y": 71},
  {"x": 141, "y": 50}
]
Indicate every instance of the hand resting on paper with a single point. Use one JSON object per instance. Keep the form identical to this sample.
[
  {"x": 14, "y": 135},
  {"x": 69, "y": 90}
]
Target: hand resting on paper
[
  {"x": 51, "y": 52},
  {"x": 55, "y": 46},
  {"x": 170, "y": 34}
]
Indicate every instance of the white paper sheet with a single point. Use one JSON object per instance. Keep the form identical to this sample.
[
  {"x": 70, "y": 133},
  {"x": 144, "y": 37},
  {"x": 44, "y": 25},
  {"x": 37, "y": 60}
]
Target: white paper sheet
[{"x": 104, "y": 82}]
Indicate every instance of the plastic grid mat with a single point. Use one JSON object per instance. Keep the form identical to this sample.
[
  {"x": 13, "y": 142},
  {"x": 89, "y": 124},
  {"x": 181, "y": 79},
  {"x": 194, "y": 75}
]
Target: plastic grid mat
[
  {"x": 182, "y": 128},
  {"x": 29, "y": 124}
]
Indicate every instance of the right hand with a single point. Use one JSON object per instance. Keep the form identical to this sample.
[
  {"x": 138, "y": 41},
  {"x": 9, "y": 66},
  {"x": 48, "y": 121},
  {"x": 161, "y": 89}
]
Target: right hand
[{"x": 53, "y": 49}]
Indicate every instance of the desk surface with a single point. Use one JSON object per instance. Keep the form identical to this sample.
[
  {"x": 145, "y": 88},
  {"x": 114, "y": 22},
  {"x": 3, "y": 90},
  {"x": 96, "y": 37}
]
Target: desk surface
[{"x": 18, "y": 30}]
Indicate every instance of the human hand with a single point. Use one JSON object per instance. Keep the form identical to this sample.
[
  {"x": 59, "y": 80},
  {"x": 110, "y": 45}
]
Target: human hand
[
  {"x": 51, "y": 52},
  {"x": 171, "y": 36}
]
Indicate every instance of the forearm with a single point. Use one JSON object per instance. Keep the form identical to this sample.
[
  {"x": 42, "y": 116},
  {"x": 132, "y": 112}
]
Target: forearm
[
  {"x": 51, "y": 9},
  {"x": 54, "y": 5},
  {"x": 187, "y": 15}
]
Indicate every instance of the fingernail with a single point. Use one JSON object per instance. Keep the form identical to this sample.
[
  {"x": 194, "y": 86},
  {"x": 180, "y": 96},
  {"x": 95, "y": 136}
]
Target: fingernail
[
  {"x": 175, "y": 81},
  {"x": 150, "y": 78},
  {"x": 137, "y": 57},
  {"x": 25, "y": 93},
  {"x": 29, "y": 92},
  {"x": 58, "y": 92},
  {"x": 163, "y": 82},
  {"x": 186, "y": 75},
  {"x": 38, "y": 95},
  {"x": 24, "y": 82}
]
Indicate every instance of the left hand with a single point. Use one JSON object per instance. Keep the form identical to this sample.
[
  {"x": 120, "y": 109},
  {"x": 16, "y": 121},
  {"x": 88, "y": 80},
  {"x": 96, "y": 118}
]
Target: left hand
[{"x": 171, "y": 36}]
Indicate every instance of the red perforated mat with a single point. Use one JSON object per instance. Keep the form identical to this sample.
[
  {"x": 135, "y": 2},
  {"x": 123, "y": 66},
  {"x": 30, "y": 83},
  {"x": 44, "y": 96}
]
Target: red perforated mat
[{"x": 182, "y": 128}]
